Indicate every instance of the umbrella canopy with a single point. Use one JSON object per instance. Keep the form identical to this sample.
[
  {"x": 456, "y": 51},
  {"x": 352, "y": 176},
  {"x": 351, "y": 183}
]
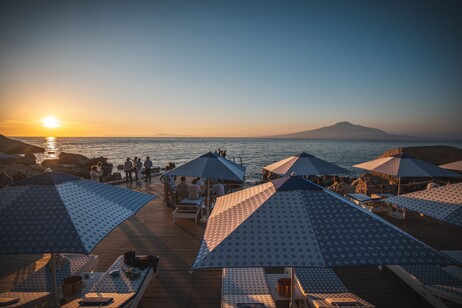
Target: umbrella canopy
[
  {"x": 443, "y": 203},
  {"x": 210, "y": 166},
  {"x": 6, "y": 156},
  {"x": 403, "y": 165},
  {"x": 292, "y": 222},
  {"x": 455, "y": 166},
  {"x": 304, "y": 164},
  {"x": 54, "y": 212}
]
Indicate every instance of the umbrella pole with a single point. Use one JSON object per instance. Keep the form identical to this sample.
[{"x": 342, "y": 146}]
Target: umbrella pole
[
  {"x": 208, "y": 196},
  {"x": 292, "y": 281},
  {"x": 399, "y": 184},
  {"x": 53, "y": 278},
  {"x": 205, "y": 218}
]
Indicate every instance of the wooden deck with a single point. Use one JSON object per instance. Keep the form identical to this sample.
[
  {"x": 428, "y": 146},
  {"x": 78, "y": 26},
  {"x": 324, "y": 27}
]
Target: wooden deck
[{"x": 152, "y": 231}]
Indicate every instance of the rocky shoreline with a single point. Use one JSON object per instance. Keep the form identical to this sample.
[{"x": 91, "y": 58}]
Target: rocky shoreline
[{"x": 366, "y": 183}]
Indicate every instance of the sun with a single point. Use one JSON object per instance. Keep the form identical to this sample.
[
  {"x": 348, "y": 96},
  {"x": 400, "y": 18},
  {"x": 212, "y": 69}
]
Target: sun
[{"x": 50, "y": 122}]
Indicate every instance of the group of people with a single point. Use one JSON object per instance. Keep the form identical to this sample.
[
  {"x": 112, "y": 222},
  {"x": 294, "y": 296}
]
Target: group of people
[
  {"x": 6, "y": 179},
  {"x": 193, "y": 191},
  {"x": 136, "y": 165}
]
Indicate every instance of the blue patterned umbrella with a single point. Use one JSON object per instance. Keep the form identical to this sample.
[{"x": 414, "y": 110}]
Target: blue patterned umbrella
[
  {"x": 443, "y": 203},
  {"x": 6, "y": 156},
  {"x": 55, "y": 213},
  {"x": 210, "y": 166},
  {"x": 304, "y": 164},
  {"x": 292, "y": 222},
  {"x": 403, "y": 165}
]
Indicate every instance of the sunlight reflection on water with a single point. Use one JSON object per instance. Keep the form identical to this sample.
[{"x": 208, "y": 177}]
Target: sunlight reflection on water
[
  {"x": 51, "y": 148},
  {"x": 255, "y": 153}
]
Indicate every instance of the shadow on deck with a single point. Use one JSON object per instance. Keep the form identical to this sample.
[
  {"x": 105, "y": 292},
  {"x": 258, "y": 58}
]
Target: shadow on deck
[{"x": 152, "y": 231}]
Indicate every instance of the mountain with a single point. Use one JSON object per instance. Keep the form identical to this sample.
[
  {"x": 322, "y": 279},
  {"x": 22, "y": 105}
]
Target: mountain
[{"x": 343, "y": 130}]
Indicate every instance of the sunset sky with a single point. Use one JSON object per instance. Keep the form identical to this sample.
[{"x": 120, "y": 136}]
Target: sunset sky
[{"x": 234, "y": 68}]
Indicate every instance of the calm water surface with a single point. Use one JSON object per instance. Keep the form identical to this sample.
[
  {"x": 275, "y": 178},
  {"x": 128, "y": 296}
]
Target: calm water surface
[{"x": 255, "y": 153}]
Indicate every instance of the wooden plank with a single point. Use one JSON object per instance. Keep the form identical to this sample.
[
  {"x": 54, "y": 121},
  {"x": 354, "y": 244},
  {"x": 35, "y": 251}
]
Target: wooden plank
[{"x": 152, "y": 231}]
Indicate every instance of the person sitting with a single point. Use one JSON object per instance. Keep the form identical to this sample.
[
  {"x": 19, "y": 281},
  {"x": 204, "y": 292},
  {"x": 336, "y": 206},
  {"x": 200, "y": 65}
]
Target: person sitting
[
  {"x": 194, "y": 191},
  {"x": 19, "y": 176},
  {"x": 432, "y": 184},
  {"x": 5, "y": 179},
  {"x": 182, "y": 188},
  {"x": 218, "y": 189},
  {"x": 95, "y": 174},
  {"x": 200, "y": 181}
]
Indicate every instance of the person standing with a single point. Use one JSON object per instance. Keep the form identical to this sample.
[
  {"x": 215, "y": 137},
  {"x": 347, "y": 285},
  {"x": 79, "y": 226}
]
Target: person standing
[
  {"x": 138, "y": 167},
  {"x": 135, "y": 159},
  {"x": 169, "y": 188},
  {"x": 128, "y": 166},
  {"x": 99, "y": 165},
  {"x": 147, "y": 169}
]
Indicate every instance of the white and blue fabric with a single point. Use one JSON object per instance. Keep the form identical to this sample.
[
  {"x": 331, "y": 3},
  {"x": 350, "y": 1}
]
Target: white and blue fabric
[
  {"x": 454, "y": 166},
  {"x": 319, "y": 284},
  {"x": 293, "y": 222},
  {"x": 210, "y": 166},
  {"x": 403, "y": 165},
  {"x": 41, "y": 280},
  {"x": 442, "y": 281},
  {"x": 6, "y": 156},
  {"x": 443, "y": 203},
  {"x": 245, "y": 285},
  {"x": 304, "y": 164},
  {"x": 120, "y": 283},
  {"x": 55, "y": 212}
]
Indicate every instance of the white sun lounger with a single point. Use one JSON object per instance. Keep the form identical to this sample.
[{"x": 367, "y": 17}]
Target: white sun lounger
[
  {"x": 37, "y": 288},
  {"x": 322, "y": 288},
  {"x": 188, "y": 208},
  {"x": 124, "y": 292},
  {"x": 24, "y": 299},
  {"x": 437, "y": 284},
  {"x": 41, "y": 280},
  {"x": 245, "y": 286}
]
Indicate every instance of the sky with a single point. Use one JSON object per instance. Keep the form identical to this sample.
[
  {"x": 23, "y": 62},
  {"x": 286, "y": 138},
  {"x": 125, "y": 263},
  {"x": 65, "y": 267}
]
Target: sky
[{"x": 229, "y": 68}]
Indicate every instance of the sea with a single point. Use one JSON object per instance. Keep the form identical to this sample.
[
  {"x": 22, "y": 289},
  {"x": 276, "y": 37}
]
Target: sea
[{"x": 251, "y": 152}]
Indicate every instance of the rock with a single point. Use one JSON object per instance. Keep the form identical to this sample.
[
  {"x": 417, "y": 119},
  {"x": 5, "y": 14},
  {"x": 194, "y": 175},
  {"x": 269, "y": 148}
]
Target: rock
[
  {"x": 73, "y": 159},
  {"x": 51, "y": 163},
  {"x": 96, "y": 160},
  {"x": 29, "y": 159},
  {"x": 436, "y": 155},
  {"x": 11, "y": 146},
  {"x": 117, "y": 176}
]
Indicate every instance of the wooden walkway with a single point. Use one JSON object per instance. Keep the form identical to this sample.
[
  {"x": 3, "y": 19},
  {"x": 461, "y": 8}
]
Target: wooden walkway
[{"x": 152, "y": 231}]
